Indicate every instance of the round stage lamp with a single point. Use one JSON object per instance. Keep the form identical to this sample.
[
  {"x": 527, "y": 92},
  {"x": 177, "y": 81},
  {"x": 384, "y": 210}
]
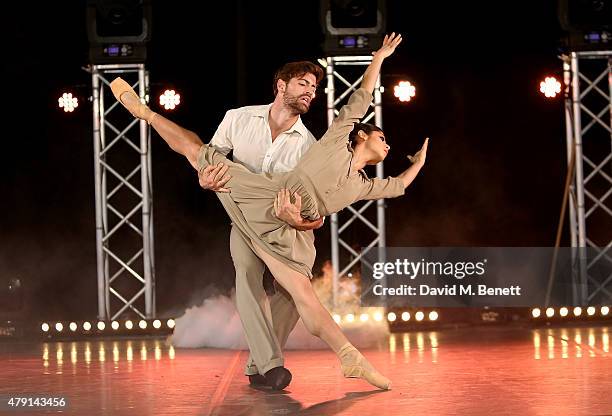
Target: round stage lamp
[
  {"x": 563, "y": 311},
  {"x": 378, "y": 317},
  {"x": 45, "y": 327},
  {"x": 605, "y": 310},
  {"x": 115, "y": 325},
  {"x": 550, "y": 312},
  {"x": 404, "y": 91},
  {"x": 350, "y": 317},
  {"x": 157, "y": 324},
  {"x": 170, "y": 323},
  {"x": 577, "y": 311},
  {"x": 419, "y": 316},
  {"x": 433, "y": 316},
  {"x": 86, "y": 326},
  {"x": 142, "y": 324},
  {"x": 591, "y": 310},
  {"x": 59, "y": 327},
  {"x": 405, "y": 316},
  {"x": 73, "y": 326},
  {"x": 363, "y": 317},
  {"x": 550, "y": 87},
  {"x": 169, "y": 100},
  {"x": 67, "y": 102},
  {"x": 535, "y": 312},
  {"x": 101, "y": 326},
  {"x": 391, "y": 317},
  {"x": 129, "y": 325}
]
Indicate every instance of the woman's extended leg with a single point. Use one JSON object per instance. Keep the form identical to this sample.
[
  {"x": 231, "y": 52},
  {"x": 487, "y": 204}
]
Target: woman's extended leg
[
  {"x": 319, "y": 322},
  {"x": 182, "y": 141}
]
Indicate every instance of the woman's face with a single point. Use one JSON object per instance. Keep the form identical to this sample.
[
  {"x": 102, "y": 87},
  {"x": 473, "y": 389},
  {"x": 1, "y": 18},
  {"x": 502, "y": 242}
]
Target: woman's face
[{"x": 378, "y": 146}]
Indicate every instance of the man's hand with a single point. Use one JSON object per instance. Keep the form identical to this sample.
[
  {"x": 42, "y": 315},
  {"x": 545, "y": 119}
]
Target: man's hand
[
  {"x": 291, "y": 212},
  {"x": 213, "y": 177}
]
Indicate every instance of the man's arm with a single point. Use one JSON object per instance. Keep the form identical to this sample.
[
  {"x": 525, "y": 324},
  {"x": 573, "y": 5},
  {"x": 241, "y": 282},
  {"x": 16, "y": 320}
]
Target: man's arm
[
  {"x": 291, "y": 212},
  {"x": 214, "y": 178}
]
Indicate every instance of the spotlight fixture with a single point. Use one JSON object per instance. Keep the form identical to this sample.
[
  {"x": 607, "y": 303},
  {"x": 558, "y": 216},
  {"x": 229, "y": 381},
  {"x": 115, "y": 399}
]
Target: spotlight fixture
[
  {"x": 550, "y": 312},
  {"x": 170, "y": 323},
  {"x": 68, "y": 102},
  {"x": 550, "y": 87},
  {"x": 45, "y": 327},
  {"x": 169, "y": 100},
  {"x": 535, "y": 312},
  {"x": 419, "y": 316},
  {"x": 433, "y": 316},
  {"x": 404, "y": 91},
  {"x": 391, "y": 317}
]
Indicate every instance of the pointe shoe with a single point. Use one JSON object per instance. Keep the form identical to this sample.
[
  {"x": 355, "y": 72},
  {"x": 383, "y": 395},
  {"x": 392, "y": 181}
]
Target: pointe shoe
[
  {"x": 354, "y": 364},
  {"x": 126, "y": 95}
]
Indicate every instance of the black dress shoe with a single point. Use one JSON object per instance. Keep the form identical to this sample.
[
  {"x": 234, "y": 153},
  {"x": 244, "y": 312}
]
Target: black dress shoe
[
  {"x": 257, "y": 380},
  {"x": 278, "y": 378}
]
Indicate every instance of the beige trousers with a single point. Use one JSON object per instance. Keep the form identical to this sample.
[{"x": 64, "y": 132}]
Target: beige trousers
[{"x": 267, "y": 322}]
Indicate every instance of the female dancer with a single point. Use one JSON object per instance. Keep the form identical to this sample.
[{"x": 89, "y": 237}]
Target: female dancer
[{"x": 327, "y": 179}]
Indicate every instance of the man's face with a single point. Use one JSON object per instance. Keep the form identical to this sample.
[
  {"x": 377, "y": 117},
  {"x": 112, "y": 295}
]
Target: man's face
[{"x": 299, "y": 92}]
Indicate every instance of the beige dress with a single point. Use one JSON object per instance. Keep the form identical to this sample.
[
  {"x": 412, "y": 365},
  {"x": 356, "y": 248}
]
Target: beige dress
[{"x": 323, "y": 179}]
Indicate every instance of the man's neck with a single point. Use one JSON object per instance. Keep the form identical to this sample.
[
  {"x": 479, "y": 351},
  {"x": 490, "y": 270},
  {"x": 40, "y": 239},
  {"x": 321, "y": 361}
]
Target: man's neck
[{"x": 280, "y": 119}]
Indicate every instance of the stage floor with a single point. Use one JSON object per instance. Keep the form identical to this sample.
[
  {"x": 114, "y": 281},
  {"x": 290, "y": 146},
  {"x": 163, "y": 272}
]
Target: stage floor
[{"x": 469, "y": 371}]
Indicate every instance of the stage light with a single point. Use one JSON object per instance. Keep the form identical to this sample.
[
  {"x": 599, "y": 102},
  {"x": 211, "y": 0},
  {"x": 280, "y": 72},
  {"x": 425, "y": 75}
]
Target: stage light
[
  {"x": 405, "y": 316},
  {"x": 59, "y": 327},
  {"x": 391, "y": 317},
  {"x": 73, "y": 326},
  {"x": 563, "y": 311},
  {"x": 142, "y": 324},
  {"x": 86, "y": 326},
  {"x": 129, "y": 325},
  {"x": 550, "y": 312},
  {"x": 605, "y": 310},
  {"x": 157, "y": 324},
  {"x": 45, "y": 327},
  {"x": 433, "y": 315},
  {"x": 115, "y": 325},
  {"x": 378, "y": 316},
  {"x": 550, "y": 87},
  {"x": 577, "y": 311},
  {"x": 419, "y": 316},
  {"x": 68, "y": 102},
  {"x": 169, "y": 99},
  {"x": 404, "y": 91},
  {"x": 337, "y": 318},
  {"x": 170, "y": 323},
  {"x": 350, "y": 317},
  {"x": 101, "y": 326},
  {"x": 591, "y": 310},
  {"x": 535, "y": 312},
  {"x": 363, "y": 317}
]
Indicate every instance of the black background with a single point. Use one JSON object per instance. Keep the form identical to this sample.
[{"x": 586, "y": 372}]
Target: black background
[{"x": 495, "y": 169}]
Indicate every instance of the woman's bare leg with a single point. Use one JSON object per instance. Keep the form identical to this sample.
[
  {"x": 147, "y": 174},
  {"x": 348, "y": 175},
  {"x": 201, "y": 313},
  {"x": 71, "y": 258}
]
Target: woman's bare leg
[{"x": 319, "y": 322}]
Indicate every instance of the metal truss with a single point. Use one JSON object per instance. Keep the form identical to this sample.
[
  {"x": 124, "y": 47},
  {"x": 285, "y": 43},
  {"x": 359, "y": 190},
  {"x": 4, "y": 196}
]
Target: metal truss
[
  {"x": 588, "y": 108},
  {"x": 358, "y": 214},
  {"x": 123, "y": 195}
]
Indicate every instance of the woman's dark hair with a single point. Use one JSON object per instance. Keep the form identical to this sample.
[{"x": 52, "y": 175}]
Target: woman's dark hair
[{"x": 367, "y": 129}]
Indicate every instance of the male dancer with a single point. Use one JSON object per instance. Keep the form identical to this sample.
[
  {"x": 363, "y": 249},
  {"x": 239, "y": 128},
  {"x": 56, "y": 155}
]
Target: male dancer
[{"x": 266, "y": 138}]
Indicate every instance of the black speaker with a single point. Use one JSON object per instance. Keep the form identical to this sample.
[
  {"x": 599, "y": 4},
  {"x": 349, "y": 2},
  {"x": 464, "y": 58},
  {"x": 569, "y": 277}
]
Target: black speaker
[
  {"x": 352, "y": 27},
  {"x": 118, "y": 30},
  {"x": 588, "y": 23}
]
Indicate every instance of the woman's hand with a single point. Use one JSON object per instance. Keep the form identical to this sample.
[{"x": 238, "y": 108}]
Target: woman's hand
[
  {"x": 419, "y": 157},
  {"x": 388, "y": 46}
]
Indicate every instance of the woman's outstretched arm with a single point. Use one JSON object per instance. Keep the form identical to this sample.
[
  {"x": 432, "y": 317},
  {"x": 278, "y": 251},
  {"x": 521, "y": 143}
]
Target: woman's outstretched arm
[
  {"x": 418, "y": 161},
  {"x": 371, "y": 73}
]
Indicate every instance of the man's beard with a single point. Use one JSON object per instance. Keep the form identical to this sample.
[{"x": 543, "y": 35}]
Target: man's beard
[{"x": 293, "y": 102}]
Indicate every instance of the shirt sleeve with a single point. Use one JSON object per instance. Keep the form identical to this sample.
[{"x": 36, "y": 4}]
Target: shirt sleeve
[
  {"x": 222, "y": 140},
  {"x": 351, "y": 113},
  {"x": 376, "y": 188}
]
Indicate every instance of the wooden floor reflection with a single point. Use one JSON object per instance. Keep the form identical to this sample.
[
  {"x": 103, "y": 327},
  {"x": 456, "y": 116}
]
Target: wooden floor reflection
[{"x": 483, "y": 371}]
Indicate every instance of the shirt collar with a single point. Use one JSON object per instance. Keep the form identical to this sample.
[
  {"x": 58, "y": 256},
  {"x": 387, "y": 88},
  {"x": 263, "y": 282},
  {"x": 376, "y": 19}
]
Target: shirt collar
[{"x": 298, "y": 126}]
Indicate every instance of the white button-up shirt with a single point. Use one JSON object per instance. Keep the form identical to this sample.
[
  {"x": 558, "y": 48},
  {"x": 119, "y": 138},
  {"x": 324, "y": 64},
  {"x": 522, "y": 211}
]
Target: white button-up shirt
[{"x": 246, "y": 131}]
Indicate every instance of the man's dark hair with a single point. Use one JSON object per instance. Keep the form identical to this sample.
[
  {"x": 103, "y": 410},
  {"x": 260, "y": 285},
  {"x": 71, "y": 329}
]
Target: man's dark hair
[{"x": 296, "y": 70}]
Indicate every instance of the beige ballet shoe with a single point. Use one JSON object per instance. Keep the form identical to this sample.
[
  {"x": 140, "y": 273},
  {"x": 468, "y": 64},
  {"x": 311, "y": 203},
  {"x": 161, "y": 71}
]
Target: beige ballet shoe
[
  {"x": 354, "y": 364},
  {"x": 131, "y": 101}
]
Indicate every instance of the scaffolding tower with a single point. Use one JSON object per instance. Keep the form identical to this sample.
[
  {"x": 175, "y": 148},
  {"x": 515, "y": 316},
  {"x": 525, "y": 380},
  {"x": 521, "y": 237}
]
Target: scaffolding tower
[
  {"x": 123, "y": 197},
  {"x": 357, "y": 214},
  {"x": 588, "y": 110}
]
